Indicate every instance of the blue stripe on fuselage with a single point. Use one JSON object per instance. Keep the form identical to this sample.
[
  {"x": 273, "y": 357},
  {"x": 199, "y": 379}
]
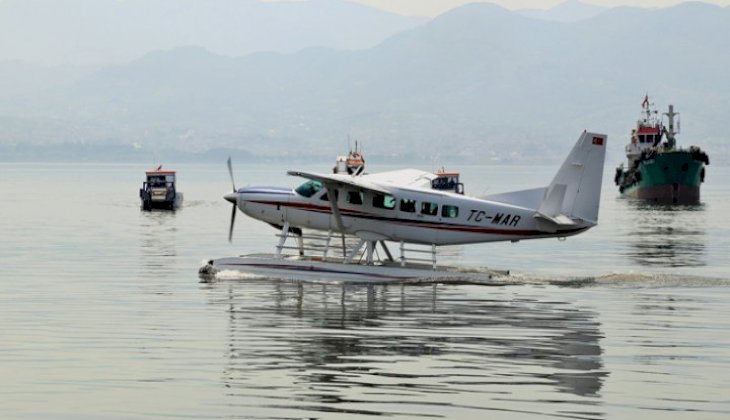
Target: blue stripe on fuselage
[{"x": 266, "y": 190}]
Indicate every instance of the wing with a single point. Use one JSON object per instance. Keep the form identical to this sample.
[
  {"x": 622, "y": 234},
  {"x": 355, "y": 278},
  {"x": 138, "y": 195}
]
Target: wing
[{"x": 340, "y": 180}]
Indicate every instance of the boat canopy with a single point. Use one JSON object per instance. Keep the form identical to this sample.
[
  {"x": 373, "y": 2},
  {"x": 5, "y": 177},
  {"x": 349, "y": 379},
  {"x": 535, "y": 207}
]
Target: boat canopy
[
  {"x": 158, "y": 172},
  {"x": 161, "y": 178},
  {"x": 447, "y": 181}
]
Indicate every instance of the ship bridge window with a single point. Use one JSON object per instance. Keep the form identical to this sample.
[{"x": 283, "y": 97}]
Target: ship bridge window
[
  {"x": 449, "y": 211},
  {"x": 429, "y": 209},
  {"x": 383, "y": 201},
  {"x": 408, "y": 206},
  {"x": 444, "y": 183},
  {"x": 354, "y": 197},
  {"x": 309, "y": 188}
]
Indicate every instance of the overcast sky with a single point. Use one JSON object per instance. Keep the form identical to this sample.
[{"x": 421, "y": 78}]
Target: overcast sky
[{"x": 435, "y": 7}]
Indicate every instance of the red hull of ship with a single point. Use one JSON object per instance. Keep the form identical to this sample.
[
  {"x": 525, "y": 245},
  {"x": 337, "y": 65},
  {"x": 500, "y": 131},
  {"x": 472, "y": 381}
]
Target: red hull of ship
[{"x": 668, "y": 193}]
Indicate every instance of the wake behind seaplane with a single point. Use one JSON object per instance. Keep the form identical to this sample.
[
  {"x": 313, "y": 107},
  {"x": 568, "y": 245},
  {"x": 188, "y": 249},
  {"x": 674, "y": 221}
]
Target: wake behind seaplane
[{"x": 359, "y": 211}]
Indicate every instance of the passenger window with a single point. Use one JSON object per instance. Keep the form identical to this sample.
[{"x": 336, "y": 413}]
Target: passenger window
[
  {"x": 382, "y": 201},
  {"x": 309, "y": 188},
  {"x": 354, "y": 197},
  {"x": 326, "y": 197},
  {"x": 449, "y": 211},
  {"x": 408, "y": 205},
  {"x": 429, "y": 209}
]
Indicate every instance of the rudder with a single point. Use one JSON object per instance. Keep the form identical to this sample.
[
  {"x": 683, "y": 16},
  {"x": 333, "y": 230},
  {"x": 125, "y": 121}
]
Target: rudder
[{"x": 574, "y": 194}]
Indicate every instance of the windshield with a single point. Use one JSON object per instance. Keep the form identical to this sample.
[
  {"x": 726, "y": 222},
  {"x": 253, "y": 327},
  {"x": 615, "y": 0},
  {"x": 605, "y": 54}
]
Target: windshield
[{"x": 309, "y": 188}]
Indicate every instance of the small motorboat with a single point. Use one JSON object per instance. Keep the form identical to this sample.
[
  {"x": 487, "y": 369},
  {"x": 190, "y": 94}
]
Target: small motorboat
[{"x": 159, "y": 191}]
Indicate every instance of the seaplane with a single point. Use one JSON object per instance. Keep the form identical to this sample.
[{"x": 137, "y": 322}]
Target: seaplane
[{"x": 343, "y": 221}]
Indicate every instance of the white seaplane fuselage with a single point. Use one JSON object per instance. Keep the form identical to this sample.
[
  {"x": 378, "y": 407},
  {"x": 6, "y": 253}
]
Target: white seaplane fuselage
[
  {"x": 417, "y": 215},
  {"x": 402, "y": 205},
  {"x": 406, "y": 206}
]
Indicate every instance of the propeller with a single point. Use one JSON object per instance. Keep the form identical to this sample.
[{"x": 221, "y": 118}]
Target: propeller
[
  {"x": 230, "y": 172},
  {"x": 233, "y": 198},
  {"x": 233, "y": 220}
]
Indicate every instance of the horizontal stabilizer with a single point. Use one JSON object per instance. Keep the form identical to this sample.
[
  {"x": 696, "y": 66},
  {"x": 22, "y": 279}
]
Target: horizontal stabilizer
[
  {"x": 552, "y": 203},
  {"x": 559, "y": 220},
  {"x": 525, "y": 198},
  {"x": 552, "y": 224},
  {"x": 549, "y": 216}
]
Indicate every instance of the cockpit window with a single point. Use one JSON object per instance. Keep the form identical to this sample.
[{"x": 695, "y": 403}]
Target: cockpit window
[{"x": 309, "y": 188}]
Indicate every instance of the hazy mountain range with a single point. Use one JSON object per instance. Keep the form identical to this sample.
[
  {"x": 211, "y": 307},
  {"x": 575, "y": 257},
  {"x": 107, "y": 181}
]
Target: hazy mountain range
[
  {"x": 100, "y": 32},
  {"x": 568, "y": 11},
  {"x": 476, "y": 84}
]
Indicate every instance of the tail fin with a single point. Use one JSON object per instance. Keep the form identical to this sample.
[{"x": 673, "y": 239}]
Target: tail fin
[{"x": 573, "y": 197}]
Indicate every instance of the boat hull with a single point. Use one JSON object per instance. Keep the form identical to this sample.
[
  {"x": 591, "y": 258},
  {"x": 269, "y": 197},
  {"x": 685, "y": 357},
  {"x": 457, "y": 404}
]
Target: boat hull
[
  {"x": 171, "y": 203},
  {"x": 667, "y": 193},
  {"x": 669, "y": 177}
]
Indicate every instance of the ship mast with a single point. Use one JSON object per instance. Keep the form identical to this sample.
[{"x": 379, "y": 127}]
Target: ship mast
[
  {"x": 670, "y": 131},
  {"x": 646, "y": 107}
]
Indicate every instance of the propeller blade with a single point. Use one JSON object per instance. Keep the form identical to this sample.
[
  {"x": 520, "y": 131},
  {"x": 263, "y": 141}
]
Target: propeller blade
[
  {"x": 233, "y": 221},
  {"x": 230, "y": 172}
]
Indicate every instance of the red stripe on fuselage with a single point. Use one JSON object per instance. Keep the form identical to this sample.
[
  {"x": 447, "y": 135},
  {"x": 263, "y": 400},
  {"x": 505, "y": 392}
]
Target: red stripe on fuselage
[{"x": 409, "y": 222}]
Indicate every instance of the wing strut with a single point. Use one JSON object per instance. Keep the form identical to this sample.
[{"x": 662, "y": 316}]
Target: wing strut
[
  {"x": 387, "y": 251},
  {"x": 332, "y": 195}
]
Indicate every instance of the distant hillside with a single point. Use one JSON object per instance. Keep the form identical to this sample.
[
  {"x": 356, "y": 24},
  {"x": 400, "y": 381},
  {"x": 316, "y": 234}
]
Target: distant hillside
[
  {"x": 568, "y": 11},
  {"x": 478, "y": 83},
  {"x": 94, "y": 32}
]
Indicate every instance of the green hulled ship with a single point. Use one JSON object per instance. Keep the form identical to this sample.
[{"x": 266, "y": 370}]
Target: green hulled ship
[{"x": 659, "y": 171}]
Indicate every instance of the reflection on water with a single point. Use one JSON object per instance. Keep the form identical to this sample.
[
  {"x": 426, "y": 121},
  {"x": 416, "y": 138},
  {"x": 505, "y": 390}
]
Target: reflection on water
[
  {"x": 395, "y": 349},
  {"x": 157, "y": 240},
  {"x": 102, "y": 316},
  {"x": 667, "y": 235}
]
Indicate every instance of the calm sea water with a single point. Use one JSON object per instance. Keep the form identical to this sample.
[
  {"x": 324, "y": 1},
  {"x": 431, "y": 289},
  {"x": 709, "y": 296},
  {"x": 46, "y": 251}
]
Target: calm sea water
[{"x": 102, "y": 314}]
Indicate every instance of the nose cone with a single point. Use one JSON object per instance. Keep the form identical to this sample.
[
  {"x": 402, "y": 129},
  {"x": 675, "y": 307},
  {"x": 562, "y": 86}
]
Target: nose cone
[{"x": 231, "y": 197}]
